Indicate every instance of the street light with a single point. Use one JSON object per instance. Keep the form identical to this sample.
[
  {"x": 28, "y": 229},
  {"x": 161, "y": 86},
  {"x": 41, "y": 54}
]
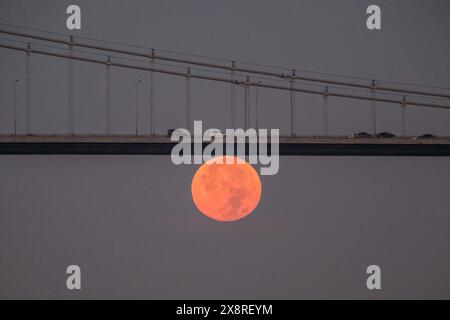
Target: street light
[
  {"x": 15, "y": 106},
  {"x": 256, "y": 105},
  {"x": 137, "y": 83}
]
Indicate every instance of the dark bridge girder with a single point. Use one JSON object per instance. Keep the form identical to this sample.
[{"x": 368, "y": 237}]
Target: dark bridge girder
[{"x": 54, "y": 145}]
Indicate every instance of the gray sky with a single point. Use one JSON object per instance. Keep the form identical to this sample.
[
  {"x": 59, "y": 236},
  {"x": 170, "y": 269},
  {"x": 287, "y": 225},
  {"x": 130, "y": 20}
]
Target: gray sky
[{"x": 129, "y": 221}]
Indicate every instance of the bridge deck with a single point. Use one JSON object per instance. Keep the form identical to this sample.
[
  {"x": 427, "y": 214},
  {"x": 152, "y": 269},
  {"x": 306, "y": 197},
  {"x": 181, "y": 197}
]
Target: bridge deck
[{"x": 161, "y": 145}]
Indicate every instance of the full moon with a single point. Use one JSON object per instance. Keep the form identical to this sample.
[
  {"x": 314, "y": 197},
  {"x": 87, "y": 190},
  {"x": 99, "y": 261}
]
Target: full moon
[{"x": 226, "y": 191}]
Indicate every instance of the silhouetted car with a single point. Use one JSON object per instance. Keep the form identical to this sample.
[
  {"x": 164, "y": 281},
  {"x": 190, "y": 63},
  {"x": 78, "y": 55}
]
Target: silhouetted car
[
  {"x": 170, "y": 131},
  {"x": 385, "y": 135},
  {"x": 360, "y": 135},
  {"x": 211, "y": 132},
  {"x": 426, "y": 136}
]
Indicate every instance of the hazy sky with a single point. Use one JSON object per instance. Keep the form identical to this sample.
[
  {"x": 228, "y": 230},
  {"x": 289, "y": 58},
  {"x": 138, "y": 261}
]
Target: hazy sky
[{"x": 129, "y": 221}]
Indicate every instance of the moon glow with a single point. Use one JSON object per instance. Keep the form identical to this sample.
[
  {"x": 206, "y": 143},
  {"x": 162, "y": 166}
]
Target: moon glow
[{"x": 226, "y": 191}]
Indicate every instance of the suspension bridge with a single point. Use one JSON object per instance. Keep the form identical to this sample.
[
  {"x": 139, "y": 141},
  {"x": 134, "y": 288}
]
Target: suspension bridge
[{"x": 232, "y": 75}]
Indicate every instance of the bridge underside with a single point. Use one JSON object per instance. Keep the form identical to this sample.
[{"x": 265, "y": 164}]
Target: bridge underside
[{"x": 161, "y": 145}]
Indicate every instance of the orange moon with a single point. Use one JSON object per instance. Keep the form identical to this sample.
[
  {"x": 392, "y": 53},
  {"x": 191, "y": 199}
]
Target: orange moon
[{"x": 226, "y": 191}]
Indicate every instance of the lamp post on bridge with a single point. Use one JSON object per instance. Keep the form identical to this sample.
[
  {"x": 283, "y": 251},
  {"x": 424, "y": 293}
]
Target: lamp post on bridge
[
  {"x": 403, "y": 110},
  {"x": 325, "y": 112},
  {"x": 373, "y": 111},
  {"x": 188, "y": 100},
  {"x": 256, "y": 106},
  {"x": 137, "y": 83},
  {"x": 292, "y": 101},
  {"x": 15, "y": 105},
  {"x": 246, "y": 103}
]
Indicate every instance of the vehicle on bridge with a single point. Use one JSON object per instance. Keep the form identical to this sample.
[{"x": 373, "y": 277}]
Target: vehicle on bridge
[
  {"x": 426, "y": 136},
  {"x": 385, "y": 135},
  {"x": 360, "y": 135}
]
